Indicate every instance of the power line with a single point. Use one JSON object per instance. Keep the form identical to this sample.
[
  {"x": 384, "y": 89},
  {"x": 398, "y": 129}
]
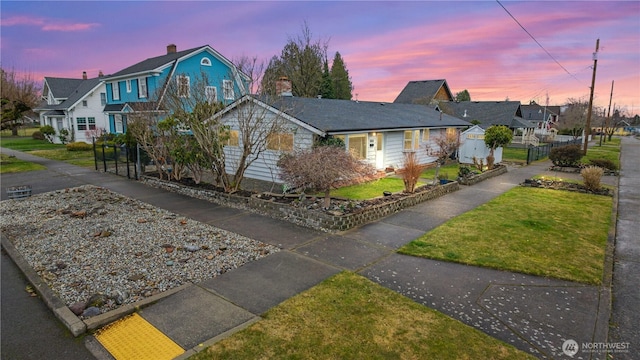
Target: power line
[{"x": 534, "y": 39}]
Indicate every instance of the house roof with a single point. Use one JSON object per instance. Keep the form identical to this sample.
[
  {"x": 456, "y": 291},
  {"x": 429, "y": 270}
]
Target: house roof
[
  {"x": 535, "y": 112},
  {"x": 71, "y": 93},
  {"x": 153, "y": 63},
  {"x": 488, "y": 113},
  {"x": 342, "y": 116},
  {"x": 422, "y": 92}
]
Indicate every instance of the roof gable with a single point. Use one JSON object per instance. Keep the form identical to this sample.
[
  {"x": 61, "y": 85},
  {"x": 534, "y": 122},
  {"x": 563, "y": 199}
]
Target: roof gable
[
  {"x": 424, "y": 91},
  {"x": 62, "y": 88}
]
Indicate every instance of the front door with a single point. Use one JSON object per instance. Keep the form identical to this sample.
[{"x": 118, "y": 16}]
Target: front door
[{"x": 379, "y": 151}]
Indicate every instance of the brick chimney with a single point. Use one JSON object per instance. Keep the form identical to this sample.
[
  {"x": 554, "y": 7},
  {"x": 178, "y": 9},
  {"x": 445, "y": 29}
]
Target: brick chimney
[
  {"x": 100, "y": 74},
  {"x": 172, "y": 49},
  {"x": 283, "y": 86},
  {"x": 84, "y": 75}
]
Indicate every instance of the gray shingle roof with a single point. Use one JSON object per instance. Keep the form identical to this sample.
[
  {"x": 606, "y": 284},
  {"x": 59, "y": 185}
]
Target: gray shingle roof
[
  {"x": 62, "y": 87},
  {"x": 74, "y": 90},
  {"x": 333, "y": 116},
  {"x": 535, "y": 112},
  {"x": 153, "y": 63},
  {"x": 421, "y": 92},
  {"x": 488, "y": 113}
]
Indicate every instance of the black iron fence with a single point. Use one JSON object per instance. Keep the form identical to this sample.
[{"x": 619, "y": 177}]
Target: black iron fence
[
  {"x": 539, "y": 152},
  {"x": 117, "y": 158}
]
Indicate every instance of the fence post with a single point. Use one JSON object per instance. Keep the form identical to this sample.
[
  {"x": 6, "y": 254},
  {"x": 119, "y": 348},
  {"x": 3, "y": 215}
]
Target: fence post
[
  {"x": 115, "y": 156},
  {"x": 126, "y": 154},
  {"x": 95, "y": 153},
  {"x": 104, "y": 159}
]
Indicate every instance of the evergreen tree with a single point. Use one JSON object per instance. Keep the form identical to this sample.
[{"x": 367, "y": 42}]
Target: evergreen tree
[
  {"x": 463, "y": 96},
  {"x": 340, "y": 76},
  {"x": 327, "y": 84}
]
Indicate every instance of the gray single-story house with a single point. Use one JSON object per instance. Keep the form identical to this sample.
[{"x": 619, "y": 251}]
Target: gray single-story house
[{"x": 378, "y": 133}]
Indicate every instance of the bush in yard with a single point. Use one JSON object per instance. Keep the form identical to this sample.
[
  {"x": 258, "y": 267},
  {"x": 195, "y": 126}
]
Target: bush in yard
[
  {"x": 320, "y": 168},
  {"x": 604, "y": 163},
  {"x": 591, "y": 176},
  {"x": 411, "y": 171},
  {"x": 37, "y": 135},
  {"x": 568, "y": 155},
  {"x": 78, "y": 146},
  {"x": 494, "y": 137},
  {"x": 48, "y": 131}
]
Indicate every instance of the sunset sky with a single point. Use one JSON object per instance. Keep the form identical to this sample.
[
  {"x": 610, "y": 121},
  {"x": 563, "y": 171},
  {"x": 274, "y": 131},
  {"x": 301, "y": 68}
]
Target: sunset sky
[{"x": 474, "y": 45}]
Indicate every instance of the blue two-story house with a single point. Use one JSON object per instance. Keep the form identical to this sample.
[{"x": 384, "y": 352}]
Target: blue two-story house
[{"x": 142, "y": 85}]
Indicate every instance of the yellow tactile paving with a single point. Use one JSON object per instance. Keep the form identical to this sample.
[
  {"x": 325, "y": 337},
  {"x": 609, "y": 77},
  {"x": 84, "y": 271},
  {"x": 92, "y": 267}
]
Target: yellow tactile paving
[{"x": 135, "y": 338}]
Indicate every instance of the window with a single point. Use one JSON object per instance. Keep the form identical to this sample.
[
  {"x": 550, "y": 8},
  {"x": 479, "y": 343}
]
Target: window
[
  {"x": 115, "y": 91},
  {"x": 103, "y": 99},
  {"x": 118, "y": 123},
  {"x": 183, "y": 86},
  {"x": 205, "y": 61},
  {"x": 471, "y": 136},
  {"x": 425, "y": 135},
  {"x": 128, "y": 86},
  {"x": 452, "y": 132},
  {"x": 84, "y": 103},
  {"x": 92, "y": 123},
  {"x": 82, "y": 123},
  {"x": 227, "y": 88},
  {"x": 211, "y": 92},
  {"x": 280, "y": 141},
  {"x": 411, "y": 140},
  {"x": 357, "y": 146},
  {"x": 233, "y": 138},
  {"x": 142, "y": 87}
]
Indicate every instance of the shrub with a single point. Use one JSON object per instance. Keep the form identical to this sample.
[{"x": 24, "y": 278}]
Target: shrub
[
  {"x": 592, "y": 176},
  {"x": 48, "y": 131},
  {"x": 464, "y": 172},
  {"x": 37, "y": 135},
  {"x": 604, "y": 163},
  {"x": 411, "y": 171},
  {"x": 568, "y": 155},
  {"x": 78, "y": 146}
]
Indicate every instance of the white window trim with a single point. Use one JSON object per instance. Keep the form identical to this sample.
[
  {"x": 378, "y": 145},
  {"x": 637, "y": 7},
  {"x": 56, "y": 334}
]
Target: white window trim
[
  {"x": 115, "y": 91},
  {"x": 211, "y": 93},
  {"x": 128, "y": 85},
  {"x": 179, "y": 79},
  {"x": 205, "y": 61},
  {"x": 142, "y": 87},
  {"x": 415, "y": 140},
  {"x": 118, "y": 123},
  {"x": 227, "y": 90}
]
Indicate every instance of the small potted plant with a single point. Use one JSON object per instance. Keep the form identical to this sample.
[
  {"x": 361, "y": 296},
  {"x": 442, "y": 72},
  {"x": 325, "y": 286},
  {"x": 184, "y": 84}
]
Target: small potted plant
[{"x": 444, "y": 178}]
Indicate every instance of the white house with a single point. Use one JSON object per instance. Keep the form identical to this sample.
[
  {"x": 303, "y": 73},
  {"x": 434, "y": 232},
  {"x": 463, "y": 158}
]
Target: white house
[
  {"x": 75, "y": 105},
  {"x": 376, "y": 132}
]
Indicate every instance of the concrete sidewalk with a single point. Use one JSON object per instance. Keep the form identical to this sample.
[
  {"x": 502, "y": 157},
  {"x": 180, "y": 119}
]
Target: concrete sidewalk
[{"x": 534, "y": 314}]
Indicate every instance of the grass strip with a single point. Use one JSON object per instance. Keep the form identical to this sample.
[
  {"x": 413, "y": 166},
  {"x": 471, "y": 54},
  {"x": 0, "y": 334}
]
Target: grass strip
[
  {"x": 10, "y": 165},
  {"x": 349, "y": 317},
  {"x": 536, "y": 231}
]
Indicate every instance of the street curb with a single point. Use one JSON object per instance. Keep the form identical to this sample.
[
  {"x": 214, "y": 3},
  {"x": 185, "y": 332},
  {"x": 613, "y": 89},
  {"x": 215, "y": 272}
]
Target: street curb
[{"x": 72, "y": 322}]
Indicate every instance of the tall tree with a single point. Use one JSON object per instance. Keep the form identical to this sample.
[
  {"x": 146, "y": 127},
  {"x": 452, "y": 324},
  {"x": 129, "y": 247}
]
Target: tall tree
[
  {"x": 340, "y": 76},
  {"x": 327, "y": 85},
  {"x": 463, "y": 95},
  {"x": 301, "y": 61},
  {"x": 19, "y": 95},
  {"x": 573, "y": 119}
]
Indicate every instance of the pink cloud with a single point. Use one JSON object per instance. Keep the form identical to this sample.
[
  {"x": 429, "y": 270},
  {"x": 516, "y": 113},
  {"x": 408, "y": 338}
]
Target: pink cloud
[{"x": 47, "y": 24}]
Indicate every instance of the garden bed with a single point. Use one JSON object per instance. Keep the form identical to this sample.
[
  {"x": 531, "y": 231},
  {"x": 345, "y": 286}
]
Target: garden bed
[
  {"x": 343, "y": 214},
  {"x": 474, "y": 179},
  {"x": 578, "y": 169},
  {"x": 563, "y": 185}
]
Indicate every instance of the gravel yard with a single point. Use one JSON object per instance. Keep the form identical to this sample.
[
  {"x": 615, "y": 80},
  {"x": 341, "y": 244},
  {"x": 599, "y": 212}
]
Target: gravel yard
[{"x": 98, "y": 250}]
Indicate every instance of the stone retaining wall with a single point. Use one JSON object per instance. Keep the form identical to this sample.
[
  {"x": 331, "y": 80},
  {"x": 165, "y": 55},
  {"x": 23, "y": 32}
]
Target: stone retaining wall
[
  {"x": 499, "y": 170},
  {"x": 299, "y": 215}
]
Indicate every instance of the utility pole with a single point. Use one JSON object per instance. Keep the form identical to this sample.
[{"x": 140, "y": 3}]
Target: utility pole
[
  {"x": 607, "y": 121},
  {"x": 587, "y": 128}
]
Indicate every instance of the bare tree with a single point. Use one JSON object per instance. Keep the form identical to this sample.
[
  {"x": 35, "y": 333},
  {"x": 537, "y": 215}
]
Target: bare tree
[
  {"x": 442, "y": 147},
  {"x": 321, "y": 168},
  {"x": 142, "y": 125},
  {"x": 19, "y": 95},
  {"x": 572, "y": 121}
]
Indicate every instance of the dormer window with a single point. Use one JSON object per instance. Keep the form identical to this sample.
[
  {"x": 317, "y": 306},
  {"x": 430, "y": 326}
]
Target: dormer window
[{"x": 205, "y": 61}]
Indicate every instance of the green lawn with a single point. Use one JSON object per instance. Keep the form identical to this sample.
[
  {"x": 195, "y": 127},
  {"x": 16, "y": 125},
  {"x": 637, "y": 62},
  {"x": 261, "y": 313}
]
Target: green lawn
[
  {"x": 27, "y": 144},
  {"x": 448, "y": 170},
  {"x": 13, "y": 165},
  {"x": 45, "y": 149},
  {"x": 349, "y": 317},
  {"x": 514, "y": 154},
  {"x": 609, "y": 150},
  {"x": 543, "y": 232},
  {"x": 369, "y": 190}
]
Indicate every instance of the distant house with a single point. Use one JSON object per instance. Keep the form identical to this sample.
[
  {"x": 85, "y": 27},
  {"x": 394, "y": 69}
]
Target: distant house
[
  {"x": 425, "y": 92},
  {"x": 143, "y": 85},
  {"x": 544, "y": 117},
  {"x": 376, "y": 132},
  {"x": 75, "y": 105},
  {"x": 488, "y": 113}
]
